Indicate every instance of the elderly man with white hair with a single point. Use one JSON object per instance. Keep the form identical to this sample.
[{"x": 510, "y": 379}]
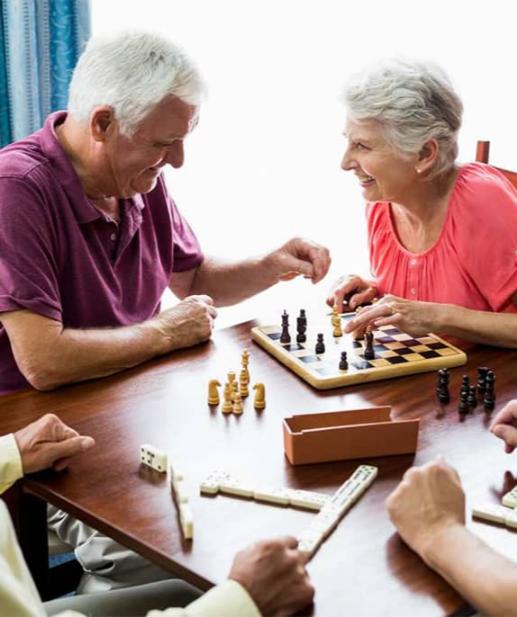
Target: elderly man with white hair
[
  {"x": 90, "y": 238},
  {"x": 442, "y": 235}
]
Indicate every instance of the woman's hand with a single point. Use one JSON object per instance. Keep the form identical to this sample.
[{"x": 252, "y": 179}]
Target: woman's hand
[{"x": 351, "y": 291}]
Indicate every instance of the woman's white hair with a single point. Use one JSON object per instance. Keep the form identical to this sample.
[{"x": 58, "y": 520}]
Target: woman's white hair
[
  {"x": 131, "y": 72},
  {"x": 413, "y": 102}
]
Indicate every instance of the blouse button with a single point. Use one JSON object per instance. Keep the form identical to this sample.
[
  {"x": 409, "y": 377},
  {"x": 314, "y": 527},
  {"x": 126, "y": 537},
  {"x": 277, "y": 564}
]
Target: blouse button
[
  {"x": 413, "y": 290},
  {"x": 413, "y": 262}
]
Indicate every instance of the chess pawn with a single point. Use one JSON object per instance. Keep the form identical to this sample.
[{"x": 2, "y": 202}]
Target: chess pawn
[
  {"x": 343, "y": 362},
  {"x": 243, "y": 383},
  {"x": 260, "y": 396},
  {"x": 481, "y": 382},
  {"x": 465, "y": 384},
  {"x": 213, "y": 392},
  {"x": 237, "y": 404},
  {"x": 472, "y": 399},
  {"x": 320, "y": 345},
  {"x": 227, "y": 405},
  {"x": 231, "y": 377},
  {"x": 336, "y": 322},
  {"x": 463, "y": 406}
]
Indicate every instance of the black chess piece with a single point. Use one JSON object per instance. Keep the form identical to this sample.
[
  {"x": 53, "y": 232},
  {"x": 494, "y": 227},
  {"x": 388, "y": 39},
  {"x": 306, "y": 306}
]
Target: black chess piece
[
  {"x": 301, "y": 327},
  {"x": 303, "y": 317},
  {"x": 369, "y": 353},
  {"x": 489, "y": 396},
  {"x": 463, "y": 406},
  {"x": 443, "y": 375},
  {"x": 481, "y": 383},
  {"x": 465, "y": 384},
  {"x": 343, "y": 362},
  {"x": 320, "y": 345},
  {"x": 472, "y": 398},
  {"x": 442, "y": 387},
  {"x": 285, "y": 337}
]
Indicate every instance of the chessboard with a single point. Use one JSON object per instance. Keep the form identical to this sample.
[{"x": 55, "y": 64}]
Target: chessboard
[{"x": 395, "y": 354}]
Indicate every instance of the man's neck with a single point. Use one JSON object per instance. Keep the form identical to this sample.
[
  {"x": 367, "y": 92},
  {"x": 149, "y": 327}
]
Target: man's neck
[{"x": 75, "y": 141}]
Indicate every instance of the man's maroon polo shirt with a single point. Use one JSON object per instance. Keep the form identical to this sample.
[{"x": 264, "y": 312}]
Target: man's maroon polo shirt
[{"x": 62, "y": 258}]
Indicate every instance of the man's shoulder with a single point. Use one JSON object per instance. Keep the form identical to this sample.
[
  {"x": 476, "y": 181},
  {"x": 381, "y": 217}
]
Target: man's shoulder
[{"x": 22, "y": 159}]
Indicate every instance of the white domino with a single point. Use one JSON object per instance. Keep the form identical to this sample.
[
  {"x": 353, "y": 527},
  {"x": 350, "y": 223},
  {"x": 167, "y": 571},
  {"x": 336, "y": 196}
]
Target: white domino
[
  {"x": 510, "y": 499},
  {"x": 186, "y": 520},
  {"x": 307, "y": 499},
  {"x": 278, "y": 496},
  {"x": 152, "y": 457},
  {"x": 496, "y": 514},
  {"x": 491, "y": 512},
  {"x": 330, "y": 514},
  {"x": 233, "y": 486},
  {"x": 210, "y": 485},
  {"x": 180, "y": 491}
]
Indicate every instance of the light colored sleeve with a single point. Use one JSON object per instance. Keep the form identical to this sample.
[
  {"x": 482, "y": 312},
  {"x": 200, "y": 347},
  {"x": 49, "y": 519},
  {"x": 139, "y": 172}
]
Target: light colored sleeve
[
  {"x": 18, "y": 594},
  {"x": 10, "y": 462},
  {"x": 229, "y": 599}
]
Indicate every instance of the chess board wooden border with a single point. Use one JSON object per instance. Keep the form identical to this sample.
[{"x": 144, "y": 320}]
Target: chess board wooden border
[{"x": 357, "y": 376}]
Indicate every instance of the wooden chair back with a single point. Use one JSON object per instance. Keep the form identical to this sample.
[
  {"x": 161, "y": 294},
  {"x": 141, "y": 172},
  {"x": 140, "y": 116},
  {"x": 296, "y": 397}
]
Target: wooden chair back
[{"x": 482, "y": 154}]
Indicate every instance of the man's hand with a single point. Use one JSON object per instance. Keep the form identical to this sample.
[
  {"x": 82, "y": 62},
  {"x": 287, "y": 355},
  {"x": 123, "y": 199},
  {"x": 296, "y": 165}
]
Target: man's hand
[
  {"x": 190, "y": 322},
  {"x": 415, "y": 318},
  {"x": 49, "y": 442},
  {"x": 300, "y": 257},
  {"x": 349, "y": 292},
  {"x": 273, "y": 573},
  {"x": 504, "y": 426},
  {"x": 429, "y": 499}
]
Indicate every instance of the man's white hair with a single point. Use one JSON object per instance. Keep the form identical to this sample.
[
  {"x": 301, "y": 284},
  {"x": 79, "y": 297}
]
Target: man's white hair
[
  {"x": 413, "y": 102},
  {"x": 131, "y": 72}
]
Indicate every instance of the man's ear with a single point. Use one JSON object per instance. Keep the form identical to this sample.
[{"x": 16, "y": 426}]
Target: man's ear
[{"x": 102, "y": 122}]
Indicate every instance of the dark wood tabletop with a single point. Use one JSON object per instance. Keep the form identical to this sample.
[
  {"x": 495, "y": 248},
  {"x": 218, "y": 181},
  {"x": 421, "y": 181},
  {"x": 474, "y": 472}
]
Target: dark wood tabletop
[{"x": 363, "y": 568}]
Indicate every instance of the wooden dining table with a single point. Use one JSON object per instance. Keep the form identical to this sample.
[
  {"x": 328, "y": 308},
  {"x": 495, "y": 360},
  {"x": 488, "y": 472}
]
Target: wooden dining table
[{"x": 363, "y": 568}]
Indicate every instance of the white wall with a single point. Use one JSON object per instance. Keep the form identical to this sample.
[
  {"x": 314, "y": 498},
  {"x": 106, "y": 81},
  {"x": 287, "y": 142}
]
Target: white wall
[{"x": 263, "y": 164}]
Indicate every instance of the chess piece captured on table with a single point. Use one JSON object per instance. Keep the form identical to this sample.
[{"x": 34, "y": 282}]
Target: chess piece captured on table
[
  {"x": 259, "y": 401},
  {"x": 228, "y": 393},
  {"x": 442, "y": 387},
  {"x": 213, "y": 392},
  {"x": 489, "y": 395}
]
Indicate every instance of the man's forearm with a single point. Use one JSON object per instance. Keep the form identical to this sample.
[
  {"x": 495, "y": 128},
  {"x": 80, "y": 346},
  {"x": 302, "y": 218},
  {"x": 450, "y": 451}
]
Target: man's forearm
[
  {"x": 229, "y": 283},
  {"x": 484, "y": 327},
  {"x": 482, "y": 576},
  {"x": 79, "y": 355}
]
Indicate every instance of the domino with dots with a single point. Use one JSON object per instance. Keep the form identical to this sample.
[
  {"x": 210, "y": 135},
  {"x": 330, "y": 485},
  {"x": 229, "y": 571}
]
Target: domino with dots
[{"x": 153, "y": 457}]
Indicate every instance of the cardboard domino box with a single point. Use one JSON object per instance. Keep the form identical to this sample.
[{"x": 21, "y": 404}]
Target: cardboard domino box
[{"x": 342, "y": 435}]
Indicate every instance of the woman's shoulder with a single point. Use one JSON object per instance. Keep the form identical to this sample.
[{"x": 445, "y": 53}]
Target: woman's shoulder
[
  {"x": 483, "y": 199},
  {"x": 478, "y": 181}
]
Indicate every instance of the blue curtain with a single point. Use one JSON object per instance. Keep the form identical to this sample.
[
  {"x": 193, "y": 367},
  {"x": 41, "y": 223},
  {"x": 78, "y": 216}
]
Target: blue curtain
[{"x": 40, "y": 42}]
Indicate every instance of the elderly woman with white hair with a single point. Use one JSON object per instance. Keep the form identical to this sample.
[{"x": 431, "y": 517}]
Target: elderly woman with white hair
[{"x": 442, "y": 236}]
